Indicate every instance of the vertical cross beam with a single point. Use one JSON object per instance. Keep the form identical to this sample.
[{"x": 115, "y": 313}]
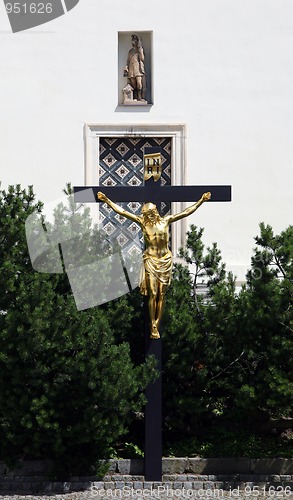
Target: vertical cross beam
[{"x": 153, "y": 410}]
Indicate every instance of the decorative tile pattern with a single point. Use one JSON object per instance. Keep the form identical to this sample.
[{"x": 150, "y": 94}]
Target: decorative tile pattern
[{"x": 121, "y": 163}]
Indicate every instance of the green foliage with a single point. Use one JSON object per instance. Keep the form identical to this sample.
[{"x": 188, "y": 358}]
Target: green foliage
[
  {"x": 68, "y": 390},
  {"x": 228, "y": 355},
  {"x": 195, "y": 351},
  {"x": 133, "y": 451},
  {"x": 206, "y": 266},
  {"x": 223, "y": 442},
  {"x": 72, "y": 382},
  {"x": 227, "y": 377},
  {"x": 265, "y": 306}
]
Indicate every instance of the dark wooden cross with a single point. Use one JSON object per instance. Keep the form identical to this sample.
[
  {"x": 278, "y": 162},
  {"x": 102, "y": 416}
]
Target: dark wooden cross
[{"x": 151, "y": 191}]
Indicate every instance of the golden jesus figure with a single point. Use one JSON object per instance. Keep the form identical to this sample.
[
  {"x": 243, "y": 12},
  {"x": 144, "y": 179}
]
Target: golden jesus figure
[{"x": 157, "y": 257}]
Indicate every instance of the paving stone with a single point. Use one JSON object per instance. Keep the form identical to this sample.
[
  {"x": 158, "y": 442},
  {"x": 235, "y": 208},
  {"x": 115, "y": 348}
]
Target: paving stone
[
  {"x": 119, "y": 485},
  {"x": 109, "y": 485},
  {"x": 117, "y": 477},
  {"x": 195, "y": 465},
  {"x": 180, "y": 477},
  {"x": 98, "y": 485},
  {"x": 138, "y": 485},
  {"x": 168, "y": 484},
  {"x": 218, "y": 485},
  {"x": 123, "y": 466},
  {"x": 208, "y": 485},
  {"x": 197, "y": 485},
  {"x": 174, "y": 465},
  {"x": 169, "y": 477},
  {"x": 148, "y": 485},
  {"x": 112, "y": 466}
]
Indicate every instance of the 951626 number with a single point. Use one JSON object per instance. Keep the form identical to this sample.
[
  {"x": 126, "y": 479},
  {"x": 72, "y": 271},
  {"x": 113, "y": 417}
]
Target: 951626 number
[
  {"x": 28, "y": 8},
  {"x": 271, "y": 492}
]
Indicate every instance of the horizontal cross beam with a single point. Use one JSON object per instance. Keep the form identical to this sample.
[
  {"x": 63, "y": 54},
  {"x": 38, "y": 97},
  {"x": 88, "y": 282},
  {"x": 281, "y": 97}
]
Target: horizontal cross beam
[{"x": 151, "y": 193}]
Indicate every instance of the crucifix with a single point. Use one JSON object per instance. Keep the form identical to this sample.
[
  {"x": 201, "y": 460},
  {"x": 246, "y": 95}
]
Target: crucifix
[{"x": 157, "y": 270}]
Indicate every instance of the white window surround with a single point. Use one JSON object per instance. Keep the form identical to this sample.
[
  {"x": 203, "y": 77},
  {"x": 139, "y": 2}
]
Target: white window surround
[{"x": 177, "y": 133}]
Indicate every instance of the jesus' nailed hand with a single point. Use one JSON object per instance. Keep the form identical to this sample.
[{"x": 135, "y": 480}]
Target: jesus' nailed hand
[{"x": 157, "y": 257}]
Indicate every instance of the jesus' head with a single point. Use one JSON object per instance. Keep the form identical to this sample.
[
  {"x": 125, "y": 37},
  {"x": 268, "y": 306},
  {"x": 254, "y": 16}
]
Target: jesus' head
[{"x": 150, "y": 213}]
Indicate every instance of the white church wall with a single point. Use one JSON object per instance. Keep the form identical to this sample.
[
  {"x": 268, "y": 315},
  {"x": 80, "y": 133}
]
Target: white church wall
[{"x": 221, "y": 67}]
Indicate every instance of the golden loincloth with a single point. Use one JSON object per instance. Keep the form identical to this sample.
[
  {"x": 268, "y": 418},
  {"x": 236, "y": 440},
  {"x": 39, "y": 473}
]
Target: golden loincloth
[{"x": 159, "y": 267}]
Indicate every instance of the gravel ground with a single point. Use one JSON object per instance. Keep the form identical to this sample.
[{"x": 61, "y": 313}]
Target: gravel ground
[{"x": 148, "y": 494}]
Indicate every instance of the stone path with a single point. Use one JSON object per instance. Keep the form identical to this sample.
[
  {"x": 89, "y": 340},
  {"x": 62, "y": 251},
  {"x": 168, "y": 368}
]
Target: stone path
[{"x": 213, "y": 494}]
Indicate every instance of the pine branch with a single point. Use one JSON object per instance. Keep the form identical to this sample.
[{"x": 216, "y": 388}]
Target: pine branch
[{"x": 227, "y": 367}]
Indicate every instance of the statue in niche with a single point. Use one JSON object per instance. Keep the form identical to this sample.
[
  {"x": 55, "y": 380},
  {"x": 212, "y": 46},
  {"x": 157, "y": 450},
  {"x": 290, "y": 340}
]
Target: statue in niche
[
  {"x": 135, "y": 72},
  {"x": 127, "y": 94}
]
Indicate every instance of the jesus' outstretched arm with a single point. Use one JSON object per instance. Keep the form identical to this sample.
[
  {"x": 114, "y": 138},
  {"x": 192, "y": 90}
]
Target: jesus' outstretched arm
[
  {"x": 189, "y": 210},
  {"x": 118, "y": 209}
]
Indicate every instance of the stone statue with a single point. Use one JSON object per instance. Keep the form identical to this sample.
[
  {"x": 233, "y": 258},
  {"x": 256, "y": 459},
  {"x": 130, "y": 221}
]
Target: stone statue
[
  {"x": 127, "y": 94},
  {"x": 134, "y": 69},
  {"x": 157, "y": 257}
]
